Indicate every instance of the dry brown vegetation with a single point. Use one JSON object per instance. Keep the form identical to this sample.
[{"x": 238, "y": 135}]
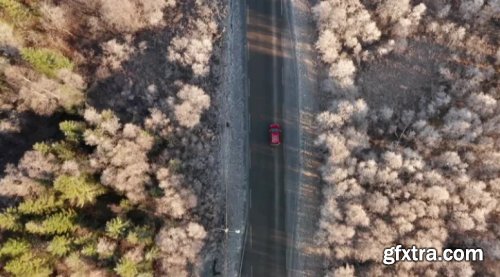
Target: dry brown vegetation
[
  {"x": 123, "y": 181},
  {"x": 411, "y": 134}
]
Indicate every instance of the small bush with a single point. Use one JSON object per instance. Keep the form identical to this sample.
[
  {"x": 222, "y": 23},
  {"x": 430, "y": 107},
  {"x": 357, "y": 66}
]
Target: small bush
[
  {"x": 46, "y": 61},
  {"x": 15, "y": 11},
  {"x": 126, "y": 268}
]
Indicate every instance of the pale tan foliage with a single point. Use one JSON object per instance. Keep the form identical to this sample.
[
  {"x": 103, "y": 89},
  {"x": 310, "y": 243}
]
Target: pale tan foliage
[
  {"x": 133, "y": 15},
  {"x": 38, "y": 166},
  {"x": 343, "y": 26},
  {"x": 106, "y": 247},
  {"x": 45, "y": 96},
  {"x": 428, "y": 193},
  {"x": 177, "y": 199},
  {"x": 194, "y": 103},
  {"x": 16, "y": 184},
  {"x": 179, "y": 247},
  {"x": 114, "y": 54},
  {"x": 121, "y": 153},
  {"x": 193, "y": 49},
  {"x": 7, "y": 36}
]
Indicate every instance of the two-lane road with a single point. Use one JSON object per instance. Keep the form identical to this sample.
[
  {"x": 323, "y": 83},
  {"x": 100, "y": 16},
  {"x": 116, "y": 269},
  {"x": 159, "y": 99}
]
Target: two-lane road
[{"x": 268, "y": 239}]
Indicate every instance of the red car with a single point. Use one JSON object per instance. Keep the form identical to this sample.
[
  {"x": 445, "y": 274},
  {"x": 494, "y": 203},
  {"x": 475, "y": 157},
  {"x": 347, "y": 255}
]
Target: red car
[{"x": 274, "y": 134}]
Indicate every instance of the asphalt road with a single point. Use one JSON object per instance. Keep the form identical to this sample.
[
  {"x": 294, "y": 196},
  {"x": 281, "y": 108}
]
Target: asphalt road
[{"x": 268, "y": 241}]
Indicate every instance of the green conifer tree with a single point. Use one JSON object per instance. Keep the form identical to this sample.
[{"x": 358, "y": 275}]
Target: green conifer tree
[
  {"x": 29, "y": 265},
  {"x": 59, "y": 245},
  {"x": 44, "y": 204},
  {"x": 46, "y": 61},
  {"x": 117, "y": 227},
  {"x": 14, "y": 247},
  {"x": 79, "y": 191},
  {"x": 72, "y": 130},
  {"x": 126, "y": 268},
  {"x": 58, "y": 223},
  {"x": 9, "y": 220}
]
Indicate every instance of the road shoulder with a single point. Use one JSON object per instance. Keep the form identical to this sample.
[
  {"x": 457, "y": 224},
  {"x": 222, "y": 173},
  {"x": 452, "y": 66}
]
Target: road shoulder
[
  {"x": 306, "y": 259},
  {"x": 233, "y": 155}
]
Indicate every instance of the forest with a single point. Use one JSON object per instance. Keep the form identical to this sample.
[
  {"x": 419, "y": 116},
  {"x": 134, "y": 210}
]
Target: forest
[
  {"x": 108, "y": 132},
  {"x": 411, "y": 133}
]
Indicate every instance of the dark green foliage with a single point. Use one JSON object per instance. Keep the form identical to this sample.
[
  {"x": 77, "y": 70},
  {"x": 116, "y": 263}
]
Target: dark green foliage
[
  {"x": 46, "y": 61},
  {"x": 156, "y": 192}
]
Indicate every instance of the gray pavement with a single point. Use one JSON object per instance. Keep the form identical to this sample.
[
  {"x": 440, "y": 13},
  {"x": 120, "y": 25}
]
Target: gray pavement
[{"x": 273, "y": 171}]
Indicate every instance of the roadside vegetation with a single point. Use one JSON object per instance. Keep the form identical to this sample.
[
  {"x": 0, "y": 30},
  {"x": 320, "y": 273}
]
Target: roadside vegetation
[
  {"x": 410, "y": 133},
  {"x": 121, "y": 179}
]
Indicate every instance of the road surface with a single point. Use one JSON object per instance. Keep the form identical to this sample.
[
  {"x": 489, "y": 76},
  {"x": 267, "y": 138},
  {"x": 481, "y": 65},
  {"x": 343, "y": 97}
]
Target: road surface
[{"x": 272, "y": 98}]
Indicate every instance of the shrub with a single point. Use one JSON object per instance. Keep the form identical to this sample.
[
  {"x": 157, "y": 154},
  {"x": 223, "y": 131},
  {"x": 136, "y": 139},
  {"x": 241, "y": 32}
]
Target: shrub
[
  {"x": 72, "y": 130},
  {"x": 15, "y": 11},
  {"x": 126, "y": 268},
  {"x": 46, "y": 61},
  {"x": 117, "y": 227},
  {"x": 194, "y": 103}
]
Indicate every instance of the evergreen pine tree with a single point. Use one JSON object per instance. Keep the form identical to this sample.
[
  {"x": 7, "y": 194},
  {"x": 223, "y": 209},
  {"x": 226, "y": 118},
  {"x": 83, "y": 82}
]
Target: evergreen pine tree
[
  {"x": 60, "y": 245},
  {"x": 14, "y": 247},
  {"x": 58, "y": 223},
  {"x": 117, "y": 227},
  {"x": 9, "y": 220},
  {"x": 126, "y": 268},
  {"x": 43, "y": 204},
  {"x": 72, "y": 130},
  {"x": 79, "y": 191},
  {"x": 29, "y": 265}
]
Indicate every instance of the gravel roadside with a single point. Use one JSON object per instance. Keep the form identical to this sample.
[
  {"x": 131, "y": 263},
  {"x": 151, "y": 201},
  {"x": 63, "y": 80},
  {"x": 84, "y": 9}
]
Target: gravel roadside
[
  {"x": 233, "y": 155},
  {"x": 306, "y": 260}
]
